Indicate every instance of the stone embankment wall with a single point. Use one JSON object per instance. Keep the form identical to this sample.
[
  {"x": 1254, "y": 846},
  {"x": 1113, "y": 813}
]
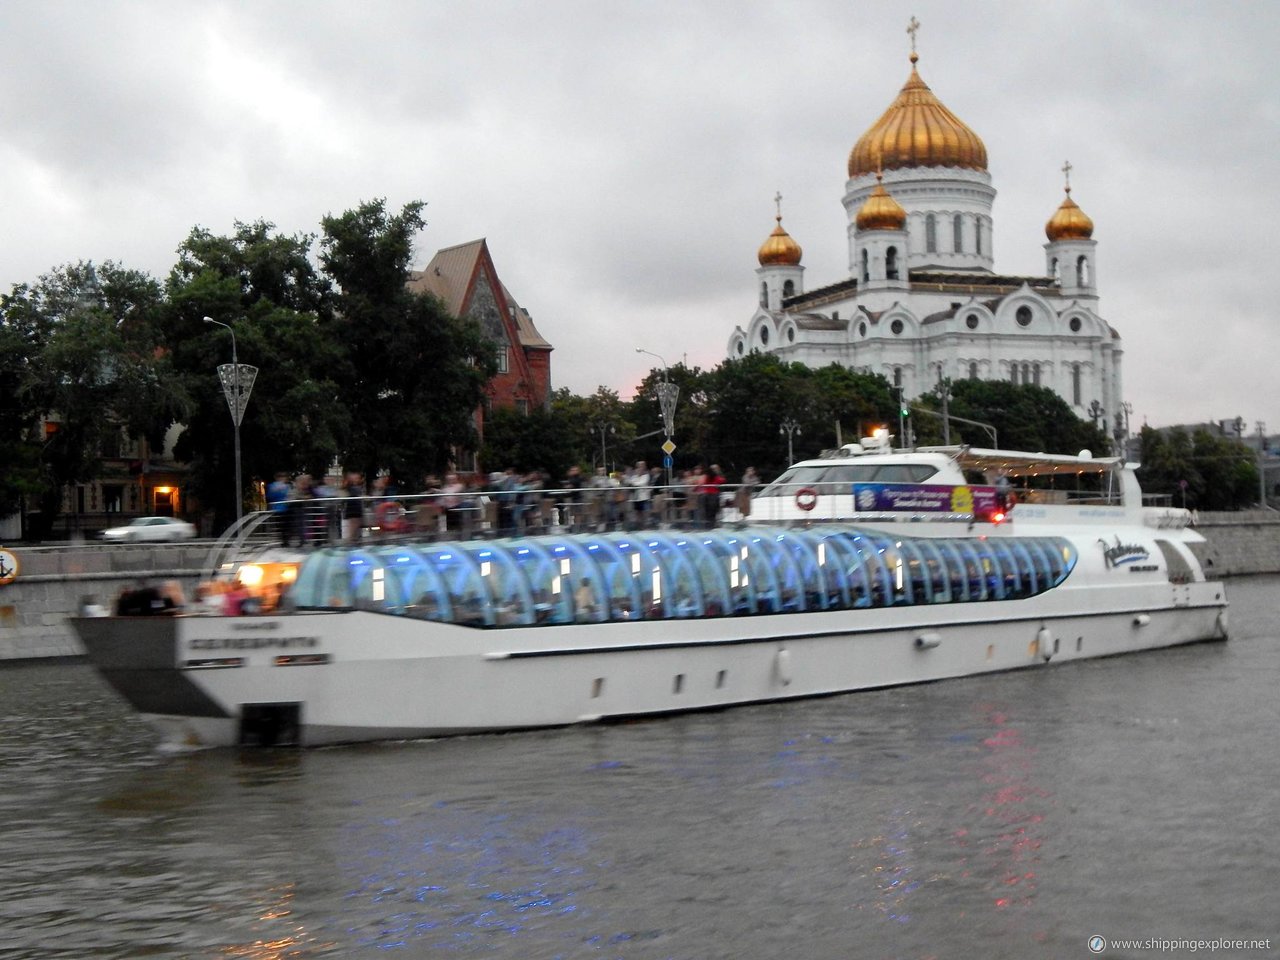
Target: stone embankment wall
[
  {"x": 1242, "y": 542},
  {"x": 52, "y": 581}
]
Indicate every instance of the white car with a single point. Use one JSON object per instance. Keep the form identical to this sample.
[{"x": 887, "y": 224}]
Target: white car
[{"x": 150, "y": 529}]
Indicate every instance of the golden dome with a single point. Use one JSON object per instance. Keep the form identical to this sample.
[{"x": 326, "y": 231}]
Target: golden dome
[
  {"x": 1069, "y": 222},
  {"x": 917, "y": 131},
  {"x": 880, "y": 211},
  {"x": 779, "y": 249}
]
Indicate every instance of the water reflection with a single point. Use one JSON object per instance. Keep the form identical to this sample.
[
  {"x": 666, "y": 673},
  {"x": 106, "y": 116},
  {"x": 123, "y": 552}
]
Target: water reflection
[{"x": 908, "y": 823}]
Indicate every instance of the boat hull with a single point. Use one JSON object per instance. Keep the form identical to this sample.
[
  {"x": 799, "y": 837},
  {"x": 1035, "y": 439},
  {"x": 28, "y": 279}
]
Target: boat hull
[{"x": 339, "y": 677}]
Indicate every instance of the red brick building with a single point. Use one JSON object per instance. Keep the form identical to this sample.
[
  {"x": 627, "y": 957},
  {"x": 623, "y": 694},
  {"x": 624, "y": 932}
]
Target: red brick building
[{"x": 465, "y": 278}]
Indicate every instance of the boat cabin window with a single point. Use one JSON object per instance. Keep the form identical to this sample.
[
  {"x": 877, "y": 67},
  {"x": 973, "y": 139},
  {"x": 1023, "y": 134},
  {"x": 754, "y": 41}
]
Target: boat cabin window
[
  {"x": 610, "y": 577},
  {"x": 839, "y": 478}
]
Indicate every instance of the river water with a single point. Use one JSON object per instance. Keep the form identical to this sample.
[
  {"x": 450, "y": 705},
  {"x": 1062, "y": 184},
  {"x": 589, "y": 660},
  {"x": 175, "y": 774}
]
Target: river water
[{"x": 1003, "y": 816}]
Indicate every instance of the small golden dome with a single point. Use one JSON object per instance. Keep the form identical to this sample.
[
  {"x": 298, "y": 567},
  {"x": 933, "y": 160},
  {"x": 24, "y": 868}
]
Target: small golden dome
[
  {"x": 917, "y": 131},
  {"x": 880, "y": 211},
  {"x": 779, "y": 249},
  {"x": 1069, "y": 222}
]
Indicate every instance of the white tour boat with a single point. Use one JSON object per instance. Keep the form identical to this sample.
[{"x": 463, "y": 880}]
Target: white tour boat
[{"x": 866, "y": 569}]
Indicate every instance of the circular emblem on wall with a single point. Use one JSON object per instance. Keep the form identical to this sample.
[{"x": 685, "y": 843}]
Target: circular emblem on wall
[{"x": 8, "y": 567}]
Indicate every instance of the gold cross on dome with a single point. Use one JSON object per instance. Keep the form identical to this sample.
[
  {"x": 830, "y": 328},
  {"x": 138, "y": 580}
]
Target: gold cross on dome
[
  {"x": 1066, "y": 172},
  {"x": 778, "y": 201},
  {"x": 912, "y": 28}
]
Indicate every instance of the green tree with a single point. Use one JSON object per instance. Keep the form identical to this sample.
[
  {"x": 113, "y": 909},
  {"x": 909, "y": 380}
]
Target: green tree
[
  {"x": 93, "y": 371},
  {"x": 22, "y": 334},
  {"x": 1200, "y": 470},
  {"x": 1026, "y": 417},
  {"x": 533, "y": 441},
  {"x": 267, "y": 289},
  {"x": 413, "y": 375}
]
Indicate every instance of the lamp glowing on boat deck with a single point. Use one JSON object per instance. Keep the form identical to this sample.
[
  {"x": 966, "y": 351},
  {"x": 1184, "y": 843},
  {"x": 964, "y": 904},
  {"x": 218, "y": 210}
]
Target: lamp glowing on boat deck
[{"x": 250, "y": 575}]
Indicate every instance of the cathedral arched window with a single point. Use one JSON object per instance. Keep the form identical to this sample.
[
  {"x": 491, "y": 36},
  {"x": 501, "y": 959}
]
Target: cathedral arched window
[
  {"x": 977, "y": 236},
  {"x": 1023, "y": 315},
  {"x": 891, "y": 263},
  {"x": 1082, "y": 272},
  {"x": 1075, "y": 384},
  {"x": 931, "y": 234},
  {"x": 789, "y": 288},
  {"x": 1026, "y": 373},
  {"x": 764, "y": 294},
  {"x": 764, "y": 336},
  {"x": 897, "y": 376},
  {"x": 1013, "y": 374},
  {"x": 866, "y": 266},
  {"x": 1035, "y": 374},
  {"x": 791, "y": 334},
  {"x": 973, "y": 371},
  {"x": 1055, "y": 271},
  {"x": 957, "y": 231}
]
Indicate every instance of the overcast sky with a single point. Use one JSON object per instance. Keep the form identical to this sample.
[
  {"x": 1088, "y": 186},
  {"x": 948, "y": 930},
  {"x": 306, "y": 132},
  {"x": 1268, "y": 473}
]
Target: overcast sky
[{"x": 622, "y": 157}]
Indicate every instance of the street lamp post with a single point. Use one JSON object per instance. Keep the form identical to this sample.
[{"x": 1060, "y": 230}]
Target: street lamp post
[
  {"x": 604, "y": 428},
  {"x": 1096, "y": 411},
  {"x": 668, "y": 393},
  {"x": 791, "y": 429},
  {"x": 237, "y": 382}
]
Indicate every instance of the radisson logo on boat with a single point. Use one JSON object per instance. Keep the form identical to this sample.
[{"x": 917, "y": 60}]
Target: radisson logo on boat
[{"x": 1121, "y": 554}]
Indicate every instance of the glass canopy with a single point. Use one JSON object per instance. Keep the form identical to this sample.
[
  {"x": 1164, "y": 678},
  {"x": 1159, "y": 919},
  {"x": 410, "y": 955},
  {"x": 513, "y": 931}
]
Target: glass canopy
[{"x": 581, "y": 578}]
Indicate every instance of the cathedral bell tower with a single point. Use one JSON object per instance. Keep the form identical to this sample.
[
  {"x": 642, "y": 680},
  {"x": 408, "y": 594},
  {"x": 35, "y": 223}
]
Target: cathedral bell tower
[
  {"x": 1070, "y": 254},
  {"x": 780, "y": 275},
  {"x": 880, "y": 242}
]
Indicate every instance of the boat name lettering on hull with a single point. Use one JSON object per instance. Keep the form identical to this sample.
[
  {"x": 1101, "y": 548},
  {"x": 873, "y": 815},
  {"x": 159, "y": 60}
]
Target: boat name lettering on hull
[{"x": 253, "y": 643}]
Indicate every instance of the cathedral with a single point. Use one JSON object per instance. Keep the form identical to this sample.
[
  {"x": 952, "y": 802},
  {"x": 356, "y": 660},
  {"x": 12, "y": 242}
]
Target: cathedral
[{"x": 922, "y": 301}]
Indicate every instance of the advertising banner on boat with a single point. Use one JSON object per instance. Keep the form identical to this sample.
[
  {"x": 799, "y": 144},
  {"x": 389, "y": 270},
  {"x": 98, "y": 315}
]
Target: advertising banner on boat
[{"x": 925, "y": 498}]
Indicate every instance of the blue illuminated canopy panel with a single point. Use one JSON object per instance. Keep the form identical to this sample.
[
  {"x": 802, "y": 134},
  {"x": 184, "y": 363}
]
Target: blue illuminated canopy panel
[{"x": 648, "y": 575}]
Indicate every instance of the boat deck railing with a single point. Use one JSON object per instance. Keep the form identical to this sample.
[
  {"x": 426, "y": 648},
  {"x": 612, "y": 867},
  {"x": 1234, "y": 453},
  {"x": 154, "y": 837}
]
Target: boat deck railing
[{"x": 487, "y": 514}]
